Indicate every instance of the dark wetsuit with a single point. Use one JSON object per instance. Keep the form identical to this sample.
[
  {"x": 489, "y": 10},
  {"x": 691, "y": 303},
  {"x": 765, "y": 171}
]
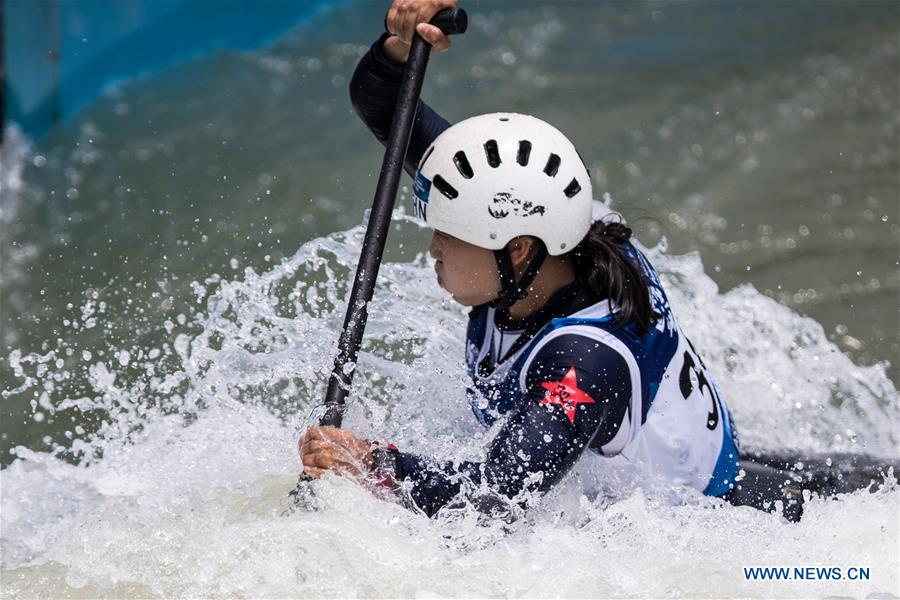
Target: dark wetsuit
[{"x": 566, "y": 380}]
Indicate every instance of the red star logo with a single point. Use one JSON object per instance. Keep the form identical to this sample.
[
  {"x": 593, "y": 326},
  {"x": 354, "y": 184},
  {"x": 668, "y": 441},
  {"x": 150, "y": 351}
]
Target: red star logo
[{"x": 565, "y": 393}]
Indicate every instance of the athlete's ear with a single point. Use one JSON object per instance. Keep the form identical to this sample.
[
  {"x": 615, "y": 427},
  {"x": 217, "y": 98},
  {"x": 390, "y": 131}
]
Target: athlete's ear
[{"x": 521, "y": 249}]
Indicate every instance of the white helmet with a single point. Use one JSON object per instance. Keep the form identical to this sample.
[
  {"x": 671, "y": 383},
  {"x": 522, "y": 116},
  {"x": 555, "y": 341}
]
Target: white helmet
[{"x": 490, "y": 178}]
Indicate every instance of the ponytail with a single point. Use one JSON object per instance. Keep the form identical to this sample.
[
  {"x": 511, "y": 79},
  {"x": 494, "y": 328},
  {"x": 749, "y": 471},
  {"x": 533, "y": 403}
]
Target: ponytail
[{"x": 602, "y": 261}]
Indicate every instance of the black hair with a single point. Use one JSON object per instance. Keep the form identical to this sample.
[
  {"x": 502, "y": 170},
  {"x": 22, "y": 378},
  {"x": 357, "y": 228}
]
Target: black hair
[{"x": 601, "y": 260}]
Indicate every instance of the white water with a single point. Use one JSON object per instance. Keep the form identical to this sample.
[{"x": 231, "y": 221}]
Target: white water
[{"x": 182, "y": 492}]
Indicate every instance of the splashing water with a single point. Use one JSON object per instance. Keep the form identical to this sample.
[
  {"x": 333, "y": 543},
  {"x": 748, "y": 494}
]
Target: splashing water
[
  {"x": 173, "y": 476},
  {"x": 180, "y": 490}
]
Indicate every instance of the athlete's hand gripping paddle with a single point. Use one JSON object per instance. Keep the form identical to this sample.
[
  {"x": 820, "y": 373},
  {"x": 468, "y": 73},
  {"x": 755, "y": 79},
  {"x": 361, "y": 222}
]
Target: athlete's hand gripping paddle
[{"x": 450, "y": 21}]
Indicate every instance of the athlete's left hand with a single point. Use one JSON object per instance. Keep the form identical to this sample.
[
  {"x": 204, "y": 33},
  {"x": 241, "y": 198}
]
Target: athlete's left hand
[{"x": 331, "y": 449}]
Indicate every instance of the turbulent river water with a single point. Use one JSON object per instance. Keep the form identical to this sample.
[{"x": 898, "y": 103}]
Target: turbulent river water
[{"x": 175, "y": 265}]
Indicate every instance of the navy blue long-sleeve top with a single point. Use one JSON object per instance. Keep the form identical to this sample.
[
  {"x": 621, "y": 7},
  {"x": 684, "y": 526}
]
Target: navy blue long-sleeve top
[
  {"x": 575, "y": 384},
  {"x": 522, "y": 448}
]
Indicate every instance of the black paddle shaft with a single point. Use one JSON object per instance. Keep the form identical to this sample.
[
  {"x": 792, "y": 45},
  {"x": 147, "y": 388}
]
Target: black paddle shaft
[{"x": 449, "y": 20}]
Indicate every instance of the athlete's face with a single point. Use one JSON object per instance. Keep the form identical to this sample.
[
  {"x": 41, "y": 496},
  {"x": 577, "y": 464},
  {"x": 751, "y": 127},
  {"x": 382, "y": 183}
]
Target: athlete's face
[{"x": 468, "y": 272}]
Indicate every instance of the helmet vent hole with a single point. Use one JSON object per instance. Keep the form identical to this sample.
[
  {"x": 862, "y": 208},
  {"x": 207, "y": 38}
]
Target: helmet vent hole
[
  {"x": 462, "y": 164},
  {"x": 573, "y": 188},
  {"x": 445, "y": 188},
  {"x": 492, "y": 152},
  {"x": 552, "y": 166},
  {"x": 504, "y": 119},
  {"x": 524, "y": 152}
]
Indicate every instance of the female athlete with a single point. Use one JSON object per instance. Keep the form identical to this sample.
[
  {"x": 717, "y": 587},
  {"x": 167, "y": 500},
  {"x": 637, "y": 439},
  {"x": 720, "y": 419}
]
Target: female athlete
[{"x": 572, "y": 346}]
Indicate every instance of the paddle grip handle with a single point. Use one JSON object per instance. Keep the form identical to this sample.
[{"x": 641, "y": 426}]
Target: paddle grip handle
[
  {"x": 448, "y": 20},
  {"x": 451, "y": 20}
]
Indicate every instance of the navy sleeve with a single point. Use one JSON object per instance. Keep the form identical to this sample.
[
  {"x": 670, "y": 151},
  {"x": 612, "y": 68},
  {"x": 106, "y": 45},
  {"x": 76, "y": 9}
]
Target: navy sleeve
[
  {"x": 373, "y": 91},
  {"x": 578, "y": 393}
]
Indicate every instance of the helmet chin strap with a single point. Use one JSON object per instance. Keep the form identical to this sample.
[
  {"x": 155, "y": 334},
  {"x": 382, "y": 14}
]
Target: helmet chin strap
[{"x": 512, "y": 291}]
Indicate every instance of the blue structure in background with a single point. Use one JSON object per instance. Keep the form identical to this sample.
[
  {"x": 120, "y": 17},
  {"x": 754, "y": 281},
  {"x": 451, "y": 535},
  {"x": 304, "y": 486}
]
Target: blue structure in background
[{"x": 59, "y": 54}]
